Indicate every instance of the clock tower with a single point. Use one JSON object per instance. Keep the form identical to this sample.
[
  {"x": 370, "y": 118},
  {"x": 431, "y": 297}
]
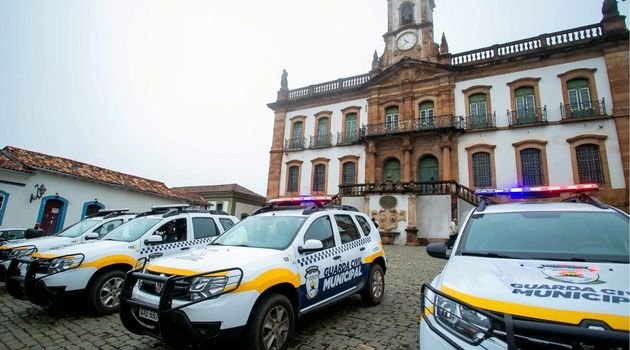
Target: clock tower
[{"x": 409, "y": 31}]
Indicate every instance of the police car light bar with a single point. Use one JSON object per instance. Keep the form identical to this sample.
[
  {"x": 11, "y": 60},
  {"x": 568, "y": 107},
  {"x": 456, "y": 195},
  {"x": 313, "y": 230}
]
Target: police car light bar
[
  {"x": 537, "y": 190},
  {"x": 300, "y": 200},
  {"x": 169, "y": 206}
]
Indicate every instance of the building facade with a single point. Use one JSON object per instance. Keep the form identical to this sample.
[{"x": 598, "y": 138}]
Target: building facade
[
  {"x": 410, "y": 141},
  {"x": 55, "y": 192},
  {"x": 232, "y": 198}
]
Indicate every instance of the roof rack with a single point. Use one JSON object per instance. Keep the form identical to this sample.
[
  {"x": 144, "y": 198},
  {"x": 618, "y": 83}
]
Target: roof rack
[{"x": 108, "y": 213}]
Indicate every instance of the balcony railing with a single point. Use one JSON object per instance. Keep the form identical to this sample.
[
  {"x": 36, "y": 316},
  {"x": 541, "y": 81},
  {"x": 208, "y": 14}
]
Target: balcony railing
[
  {"x": 294, "y": 144},
  {"x": 524, "y": 46},
  {"x": 330, "y": 86},
  {"x": 485, "y": 121},
  {"x": 348, "y": 137},
  {"x": 323, "y": 140},
  {"x": 420, "y": 124},
  {"x": 583, "y": 109},
  {"x": 528, "y": 116}
]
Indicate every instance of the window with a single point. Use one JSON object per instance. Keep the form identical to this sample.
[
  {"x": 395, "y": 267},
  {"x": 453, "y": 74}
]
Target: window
[
  {"x": 579, "y": 98},
  {"x": 525, "y": 105},
  {"x": 426, "y": 114},
  {"x": 226, "y": 223},
  {"x": 297, "y": 134},
  {"x": 391, "y": 170},
  {"x": 391, "y": 118},
  {"x": 482, "y": 173},
  {"x": 220, "y": 206},
  {"x": 428, "y": 169},
  {"x": 351, "y": 134},
  {"x": 365, "y": 225},
  {"x": 348, "y": 231},
  {"x": 589, "y": 164},
  {"x": 579, "y": 94},
  {"x": 348, "y": 173},
  {"x": 108, "y": 227},
  {"x": 4, "y": 198},
  {"x": 531, "y": 162},
  {"x": 293, "y": 176},
  {"x": 204, "y": 227},
  {"x": 323, "y": 134},
  {"x": 172, "y": 231},
  {"x": 321, "y": 230},
  {"x": 478, "y": 111},
  {"x": 319, "y": 178},
  {"x": 589, "y": 159},
  {"x": 406, "y": 13}
]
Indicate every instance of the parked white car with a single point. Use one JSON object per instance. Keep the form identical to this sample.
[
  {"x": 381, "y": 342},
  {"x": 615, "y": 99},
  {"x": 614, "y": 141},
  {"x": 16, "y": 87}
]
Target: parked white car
[
  {"x": 258, "y": 278},
  {"x": 532, "y": 275},
  {"x": 95, "y": 270}
]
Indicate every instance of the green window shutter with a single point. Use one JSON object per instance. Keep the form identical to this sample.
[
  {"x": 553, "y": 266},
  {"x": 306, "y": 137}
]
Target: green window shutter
[{"x": 391, "y": 170}]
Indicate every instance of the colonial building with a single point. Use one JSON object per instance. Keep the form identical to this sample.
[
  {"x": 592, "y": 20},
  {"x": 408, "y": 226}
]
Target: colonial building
[
  {"x": 55, "y": 192},
  {"x": 410, "y": 141},
  {"x": 232, "y": 198}
]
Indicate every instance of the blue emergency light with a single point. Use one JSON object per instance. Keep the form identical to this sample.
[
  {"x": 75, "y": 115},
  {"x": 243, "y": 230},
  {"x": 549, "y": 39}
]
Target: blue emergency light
[
  {"x": 301, "y": 200},
  {"x": 536, "y": 190}
]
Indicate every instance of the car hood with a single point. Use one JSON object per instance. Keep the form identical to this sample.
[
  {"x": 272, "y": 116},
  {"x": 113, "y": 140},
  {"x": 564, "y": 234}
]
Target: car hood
[
  {"x": 41, "y": 242},
  {"x": 87, "y": 249},
  {"x": 567, "y": 292},
  {"x": 212, "y": 258}
]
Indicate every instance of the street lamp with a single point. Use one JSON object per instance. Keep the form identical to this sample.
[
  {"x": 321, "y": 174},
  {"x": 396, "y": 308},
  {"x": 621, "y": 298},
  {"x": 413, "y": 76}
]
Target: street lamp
[{"x": 39, "y": 192}]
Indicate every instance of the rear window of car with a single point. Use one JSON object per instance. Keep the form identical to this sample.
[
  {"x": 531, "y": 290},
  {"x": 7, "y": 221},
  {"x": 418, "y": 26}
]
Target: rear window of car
[
  {"x": 226, "y": 223},
  {"x": 365, "y": 225},
  {"x": 590, "y": 236},
  {"x": 204, "y": 227}
]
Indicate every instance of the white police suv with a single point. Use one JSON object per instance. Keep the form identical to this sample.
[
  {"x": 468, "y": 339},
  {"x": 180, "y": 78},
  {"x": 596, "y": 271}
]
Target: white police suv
[
  {"x": 96, "y": 270},
  {"x": 258, "y": 278},
  {"x": 91, "y": 228},
  {"x": 532, "y": 275}
]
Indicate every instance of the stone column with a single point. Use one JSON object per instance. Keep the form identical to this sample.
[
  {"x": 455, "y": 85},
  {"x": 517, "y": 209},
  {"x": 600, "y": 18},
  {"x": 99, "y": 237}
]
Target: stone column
[
  {"x": 412, "y": 231},
  {"x": 370, "y": 163},
  {"x": 406, "y": 166},
  {"x": 446, "y": 162}
]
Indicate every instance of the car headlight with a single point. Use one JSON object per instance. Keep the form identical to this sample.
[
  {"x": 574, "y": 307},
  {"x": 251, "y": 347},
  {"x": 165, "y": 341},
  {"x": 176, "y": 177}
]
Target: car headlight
[
  {"x": 21, "y": 252},
  {"x": 463, "y": 321},
  {"x": 65, "y": 263},
  {"x": 206, "y": 287}
]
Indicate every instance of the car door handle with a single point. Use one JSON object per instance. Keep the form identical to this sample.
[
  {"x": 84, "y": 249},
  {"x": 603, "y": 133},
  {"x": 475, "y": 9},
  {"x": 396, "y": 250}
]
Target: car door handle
[
  {"x": 337, "y": 257},
  {"x": 185, "y": 248},
  {"x": 362, "y": 249}
]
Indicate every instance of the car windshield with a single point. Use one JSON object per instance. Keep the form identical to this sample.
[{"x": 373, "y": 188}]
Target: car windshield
[
  {"x": 78, "y": 229},
  {"x": 275, "y": 232},
  {"x": 131, "y": 230},
  {"x": 549, "y": 235}
]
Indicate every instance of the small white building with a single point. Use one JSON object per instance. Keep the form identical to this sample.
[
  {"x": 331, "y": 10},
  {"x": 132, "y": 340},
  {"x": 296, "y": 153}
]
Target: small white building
[
  {"x": 55, "y": 192},
  {"x": 232, "y": 198}
]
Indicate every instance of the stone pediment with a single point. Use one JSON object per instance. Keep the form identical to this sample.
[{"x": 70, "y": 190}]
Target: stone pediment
[{"x": 409, "y": 70}]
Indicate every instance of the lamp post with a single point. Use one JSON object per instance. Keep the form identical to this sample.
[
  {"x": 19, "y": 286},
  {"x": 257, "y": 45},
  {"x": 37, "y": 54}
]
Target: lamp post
[{"x": 39, "y": 192}]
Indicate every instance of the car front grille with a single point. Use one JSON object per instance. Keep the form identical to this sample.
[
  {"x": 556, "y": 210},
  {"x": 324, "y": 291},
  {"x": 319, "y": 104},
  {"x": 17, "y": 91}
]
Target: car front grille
[{"x": 180, "y": 289}]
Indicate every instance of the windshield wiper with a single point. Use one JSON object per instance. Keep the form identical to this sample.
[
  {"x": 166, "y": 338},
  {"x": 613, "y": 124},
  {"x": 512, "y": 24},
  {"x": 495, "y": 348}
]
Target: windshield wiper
[{"x": 489, "y": 255}]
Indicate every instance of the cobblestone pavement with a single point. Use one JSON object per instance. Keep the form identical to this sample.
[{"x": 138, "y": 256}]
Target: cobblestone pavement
[{"x": 346, "y": 325}]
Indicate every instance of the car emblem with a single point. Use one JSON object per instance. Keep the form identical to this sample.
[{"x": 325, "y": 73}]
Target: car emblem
[
  {"x": 159, "y": 285},
  {"x": 312, "y": 282},
  {"x": 575, "y": 274}
]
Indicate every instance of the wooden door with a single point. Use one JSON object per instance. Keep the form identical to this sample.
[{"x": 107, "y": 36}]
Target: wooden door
[{"x": 50, "y": 220}]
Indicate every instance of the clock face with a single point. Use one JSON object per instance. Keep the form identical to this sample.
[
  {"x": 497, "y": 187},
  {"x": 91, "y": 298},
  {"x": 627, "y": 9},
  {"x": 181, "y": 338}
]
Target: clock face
[{"x": 406, "y": 41}]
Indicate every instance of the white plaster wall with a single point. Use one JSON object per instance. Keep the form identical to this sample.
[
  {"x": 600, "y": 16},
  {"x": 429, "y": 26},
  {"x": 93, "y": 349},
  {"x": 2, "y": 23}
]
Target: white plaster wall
[
  {"x": 463, "y": 208},
  {"x": 22, "y": 213},
  {"x": 550, "y": 88},
  {"x": 558, "y": 151},
  {"x": 357, "y": 202},
  {"x": 244, "y": 208},
  {"x": 402, "y": 202},
  {"x": 333, "y": 153},
  {"x": 433, "y": 214}
]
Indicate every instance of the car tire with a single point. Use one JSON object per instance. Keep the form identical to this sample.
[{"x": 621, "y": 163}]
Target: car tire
[
  {"x": 104, "y": 293},
  {"x": 373, "y": 292},
  {"x": 271, "y": 324}
]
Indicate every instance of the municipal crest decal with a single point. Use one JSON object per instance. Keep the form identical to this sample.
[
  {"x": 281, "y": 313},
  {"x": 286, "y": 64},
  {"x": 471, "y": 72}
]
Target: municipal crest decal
[
  {"x": 572, "y": 274},
  {"x": 312, "y": 282}
]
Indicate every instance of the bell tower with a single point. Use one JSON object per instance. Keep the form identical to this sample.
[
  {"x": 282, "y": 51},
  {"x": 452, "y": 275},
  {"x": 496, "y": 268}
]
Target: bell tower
[{"x": 409, "y": 31}]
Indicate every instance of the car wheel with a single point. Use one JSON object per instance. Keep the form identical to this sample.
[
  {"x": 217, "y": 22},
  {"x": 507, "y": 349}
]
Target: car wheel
[
  {"x": 104, "y": 295},
  {"x": 271, "y": 324},
  {"x": 373, "y": 292}
]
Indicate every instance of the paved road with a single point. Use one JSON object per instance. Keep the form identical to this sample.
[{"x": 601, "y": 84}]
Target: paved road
[{"x": 347, "y": 325}]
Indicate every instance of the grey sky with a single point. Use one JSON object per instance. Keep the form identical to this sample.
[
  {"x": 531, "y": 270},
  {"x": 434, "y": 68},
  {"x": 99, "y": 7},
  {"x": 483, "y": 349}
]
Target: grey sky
[{"x": 176, "y": 90}]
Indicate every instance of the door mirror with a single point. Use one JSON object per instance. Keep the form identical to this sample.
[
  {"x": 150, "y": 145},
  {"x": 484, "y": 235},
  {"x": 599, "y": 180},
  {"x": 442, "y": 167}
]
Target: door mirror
[
  {"x": 91, "y": 236},
  {"x": 153, "y": 239},
  {"x": 437, "y": 250},
  {"x": 311, "y": 245}
]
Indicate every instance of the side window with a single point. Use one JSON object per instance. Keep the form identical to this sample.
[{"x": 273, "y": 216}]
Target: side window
[
  {"x": 204, "y": 227},
  {"x": 173, "y": 231},
  {"x": 108, "y": 227},
  {"x": 347, "y": 229},
  {"x": 321, "y": 230},
  {"x": 365, "y": 225},
  {"x": 226, "y": 223}
]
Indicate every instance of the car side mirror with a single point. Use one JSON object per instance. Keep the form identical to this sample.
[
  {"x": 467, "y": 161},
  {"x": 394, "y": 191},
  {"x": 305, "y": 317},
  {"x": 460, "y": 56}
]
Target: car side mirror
[
  {"x": 91, "y": 236},
  {"x": 153, "y": 239},
  {"x": 311, "y": 245},
  {"x": 437, "y": 250}
]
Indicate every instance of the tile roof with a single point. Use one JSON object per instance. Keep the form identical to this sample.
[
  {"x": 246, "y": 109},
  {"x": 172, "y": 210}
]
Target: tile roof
[
  {"x": 30, "y": 160},
  {"x": 217, "y": 188},
  {"x": 10, "y": 164}
]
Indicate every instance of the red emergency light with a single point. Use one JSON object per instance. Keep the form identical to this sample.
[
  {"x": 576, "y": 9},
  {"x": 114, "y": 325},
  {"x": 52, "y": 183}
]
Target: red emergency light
[
  {"x": 301, "y": 200},
  {"x": 536, "y": 190}
]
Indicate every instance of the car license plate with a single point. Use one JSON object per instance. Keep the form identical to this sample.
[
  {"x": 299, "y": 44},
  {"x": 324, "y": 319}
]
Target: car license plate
[{"x": 148, "y": 314}]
